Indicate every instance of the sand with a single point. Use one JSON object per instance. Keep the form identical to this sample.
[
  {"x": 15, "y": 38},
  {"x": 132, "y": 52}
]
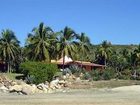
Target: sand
[{"x": 127, "y": 95}]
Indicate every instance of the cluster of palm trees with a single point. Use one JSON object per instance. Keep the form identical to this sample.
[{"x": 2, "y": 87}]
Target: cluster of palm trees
[
  {"x": 119, "y": 59},
  {"x": 9, "y": 48},
  {"x": 42, "y": 44}
]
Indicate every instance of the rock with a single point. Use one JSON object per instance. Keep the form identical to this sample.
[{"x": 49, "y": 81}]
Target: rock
[
  {"x": 4, "y": 89},
  {"x": 55, "y": 84},
  {"x": 63, "y": 83},
  {"x": 15, "y": 88},
  {"x": 42, "y": 86},
  {"x": 78, "y": 79},
  {"x": 28, "y": 89},
  {"x": 39, "y": 91},
  {"x": 68, "y": 84},
  {"x": 64, "y": 77},
  {"x": 71, "y": 77},
  {"x": 81, "y": 75},
  {"x": 2, "y": 78},
  {"x": 67, "y": 75},
  {"x": 20, "y": 82},
  {"x": 34, "y": 88},
  {"x": 7, "y": 84},
  {"x": 13, "y": 83},
  {"x": 46, "y": 83}
]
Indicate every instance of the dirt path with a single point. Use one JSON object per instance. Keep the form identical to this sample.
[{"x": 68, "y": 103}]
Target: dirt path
[{"x": 75, "y": 97}]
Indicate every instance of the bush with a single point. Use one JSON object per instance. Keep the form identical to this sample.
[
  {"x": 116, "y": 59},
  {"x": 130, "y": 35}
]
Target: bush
[
  {"x": 66, "y": 70},
  {"x": 96, "y": 74},
  {"x": 135, "y": 74},
  {"x": 38, "y": 72},
  {"x": 108, "y": 74},
  {"x": 87, "y": 76},
  {"x": 76, "y": 70},
  {"x": 125, "y": 74}
]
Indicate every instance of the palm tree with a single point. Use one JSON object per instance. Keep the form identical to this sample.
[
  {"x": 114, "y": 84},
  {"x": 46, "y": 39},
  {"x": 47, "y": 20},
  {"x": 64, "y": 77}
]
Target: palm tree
[
  {"x": 83, "y": 44},
  {"x": 66, "y": 44},
  {"x": 104, "y": 51},
  {"x": 135, "y": 56},
  {"x": 135, "y": 60},
  {"x": 38, "y": 43},
  {"x": 9, "y": 46},
  {"x": 54, "y": 50}
]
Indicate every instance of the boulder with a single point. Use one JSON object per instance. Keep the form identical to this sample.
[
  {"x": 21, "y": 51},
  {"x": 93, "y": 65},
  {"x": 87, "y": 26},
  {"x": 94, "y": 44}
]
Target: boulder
[
  {"x": 78, "y": 79},
  {"x": 63, "y": 83},
  {"x": 71, "y": 77},
  {"x": 20, "y": 82},
  {"x": 2, "y": 78},
  {"x": 55, "y": 84},
  {"x": 64, "y": 77},
  {"x": 15, "y": 88},
  {"x": 4, "y": 89},
  {"x": 42, "y": 86},
  {"x": 13, "y": 83},
  {"x": 28, "y": 89}
]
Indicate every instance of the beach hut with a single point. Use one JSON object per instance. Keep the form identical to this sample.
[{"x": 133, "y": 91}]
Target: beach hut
[{"x": 68, "y": 62}]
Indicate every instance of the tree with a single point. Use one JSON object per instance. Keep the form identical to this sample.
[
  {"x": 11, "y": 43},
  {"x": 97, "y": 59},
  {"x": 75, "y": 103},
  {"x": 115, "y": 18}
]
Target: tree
[
  {"x": 135, "y": 57},
  {"x": 104, "y": 52},
  {"x": 38, "y": 43},
  {"x": 54, "y": 44},
  {"x": 135, "y": 61},
  {"x": 83, "y": 45},
  {"x": 9, "y": 46},
  {"x": 66, "y": 44}
]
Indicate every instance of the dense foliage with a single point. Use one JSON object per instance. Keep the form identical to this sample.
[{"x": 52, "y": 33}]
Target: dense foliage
[
  {"x": 38, "y": 72},
  {"x": 43, "y": 45}
]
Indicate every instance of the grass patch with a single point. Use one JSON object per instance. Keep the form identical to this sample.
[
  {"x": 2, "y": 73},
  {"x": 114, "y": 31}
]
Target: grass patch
[
  {"x": 114, "y": 83},
  {"x": 103, "y": 84},
  {"x": 11, "y": 76}
]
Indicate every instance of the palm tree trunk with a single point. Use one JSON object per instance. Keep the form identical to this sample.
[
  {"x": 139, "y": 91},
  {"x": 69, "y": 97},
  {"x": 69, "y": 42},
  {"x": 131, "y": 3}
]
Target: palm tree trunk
[
  {"x": 8, "y": 67},
  {"x": 105, "y": 62},
  {"x": 82, "y": 59},
  {"x": 135, "y": 72},
  {"x": 63, "y": 60}
]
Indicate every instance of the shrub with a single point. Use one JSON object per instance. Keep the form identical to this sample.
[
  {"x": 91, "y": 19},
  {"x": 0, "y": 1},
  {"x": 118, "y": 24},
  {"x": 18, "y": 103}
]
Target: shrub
[
  {"x": 96, "y": 74},
  {"x": 38, "y": 72},
  {"x": 87, "y": 76},
  {"x": 125, "y": 74},
  {"x": 108, "y": 74},
  {"x": 66, "y": 70},
  {"x": 76, "y": 70},
  {"x": 135, "y": 74}
]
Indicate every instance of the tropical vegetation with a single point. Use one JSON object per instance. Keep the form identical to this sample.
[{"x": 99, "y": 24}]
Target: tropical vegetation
[{"x": 44, "y": 44}]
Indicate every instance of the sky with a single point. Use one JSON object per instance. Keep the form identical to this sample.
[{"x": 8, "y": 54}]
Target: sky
[{"x": 117, "y": 21}]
